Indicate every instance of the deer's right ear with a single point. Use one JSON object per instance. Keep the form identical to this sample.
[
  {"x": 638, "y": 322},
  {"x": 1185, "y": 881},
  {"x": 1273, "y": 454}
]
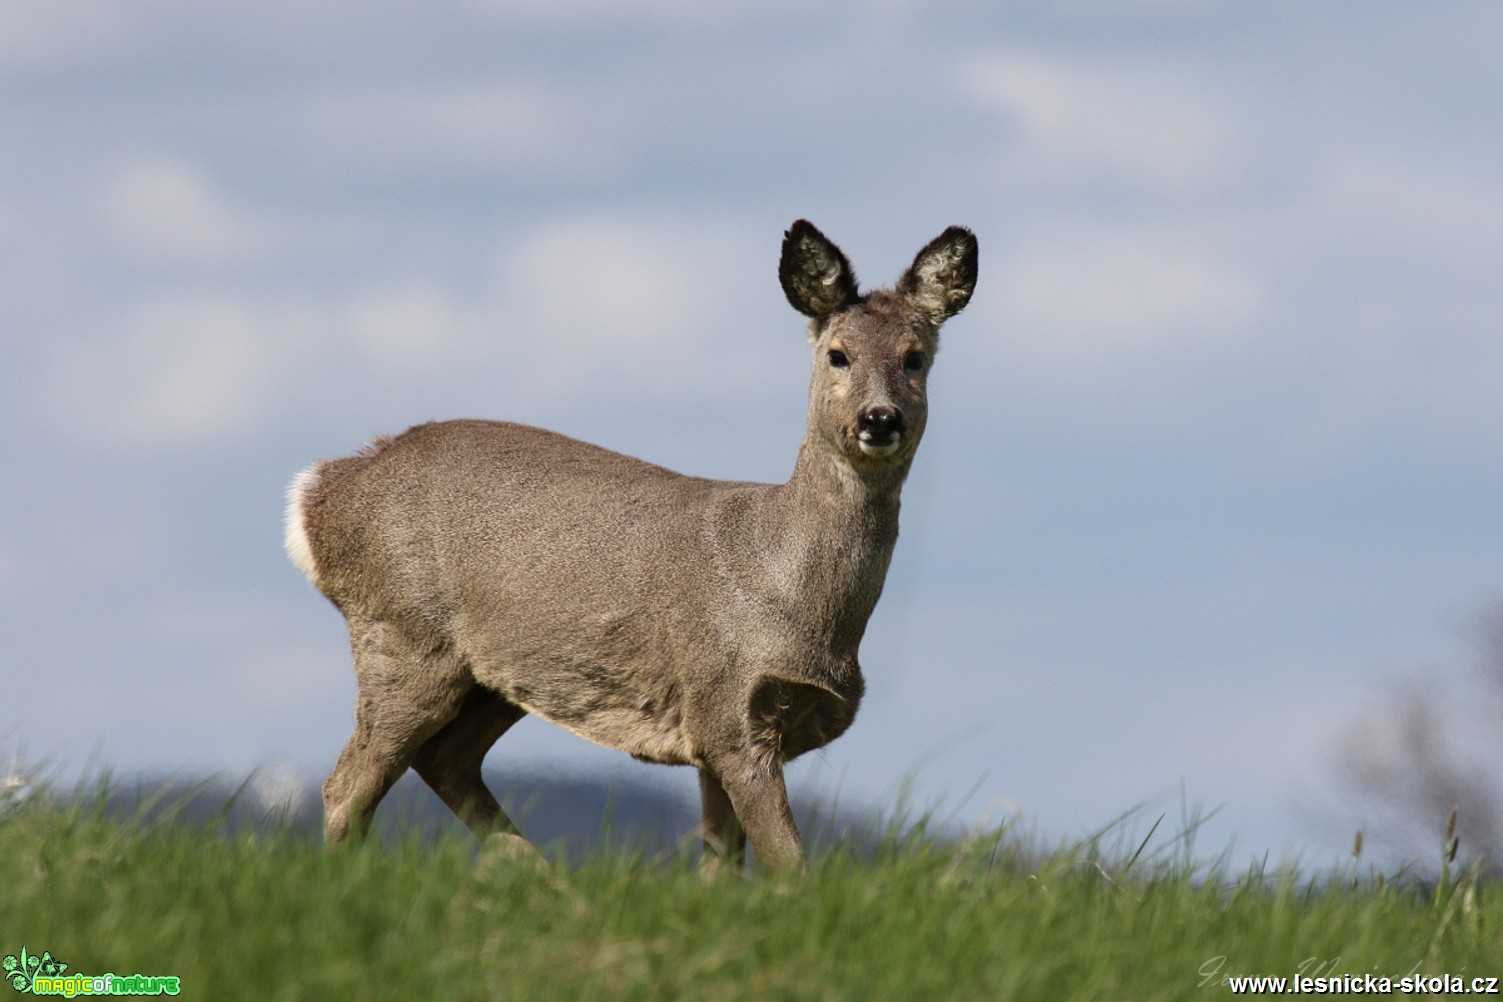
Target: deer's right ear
[{"x": 816, "y": 277}]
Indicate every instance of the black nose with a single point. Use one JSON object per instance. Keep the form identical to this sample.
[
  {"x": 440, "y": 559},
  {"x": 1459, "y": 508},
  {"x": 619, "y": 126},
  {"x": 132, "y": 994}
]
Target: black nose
[{"x": 880, "y": 424}]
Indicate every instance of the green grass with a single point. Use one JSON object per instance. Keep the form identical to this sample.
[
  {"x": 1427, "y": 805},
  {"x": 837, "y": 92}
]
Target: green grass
[{"x": 272, "y": 915}]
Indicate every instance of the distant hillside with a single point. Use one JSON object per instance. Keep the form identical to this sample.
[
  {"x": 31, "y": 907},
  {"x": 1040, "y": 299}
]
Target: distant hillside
[{"x": 566, "y": 815}]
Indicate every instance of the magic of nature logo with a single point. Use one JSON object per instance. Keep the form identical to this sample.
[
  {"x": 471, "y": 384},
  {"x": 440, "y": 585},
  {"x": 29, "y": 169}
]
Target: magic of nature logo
[{"x": 46, "y": 975}]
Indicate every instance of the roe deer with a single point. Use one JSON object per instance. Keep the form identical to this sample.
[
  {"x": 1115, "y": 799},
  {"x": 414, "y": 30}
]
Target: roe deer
[{"x": 491, "y": 570}]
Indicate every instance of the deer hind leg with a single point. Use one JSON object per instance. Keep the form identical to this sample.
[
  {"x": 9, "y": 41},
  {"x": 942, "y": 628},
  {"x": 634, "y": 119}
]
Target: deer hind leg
[
  {"x": 407, "y": 692},
  {"x": 450, "y": 760},
  {"x": 724, "y": 838}
]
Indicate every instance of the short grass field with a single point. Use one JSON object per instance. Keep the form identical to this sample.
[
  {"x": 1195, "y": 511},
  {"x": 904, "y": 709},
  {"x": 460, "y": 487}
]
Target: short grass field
[{"x": 270, "y": 914}]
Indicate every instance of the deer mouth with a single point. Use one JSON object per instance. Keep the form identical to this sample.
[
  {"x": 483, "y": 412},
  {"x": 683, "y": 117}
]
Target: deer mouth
[{"x": 877, "y": 443}]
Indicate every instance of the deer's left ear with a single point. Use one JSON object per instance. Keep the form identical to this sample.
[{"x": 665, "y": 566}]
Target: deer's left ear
[{"x": 943, "y": 275}]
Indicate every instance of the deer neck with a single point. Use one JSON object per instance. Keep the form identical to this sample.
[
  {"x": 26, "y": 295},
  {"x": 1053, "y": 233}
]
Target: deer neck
[
  {"x": 838, "y": 499},
  {"x": 827, "y": 537}
]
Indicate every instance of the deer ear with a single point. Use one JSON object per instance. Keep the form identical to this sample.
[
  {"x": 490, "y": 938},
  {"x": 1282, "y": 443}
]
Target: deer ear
[
  {"x": 816, "y": 277},
  {"x": 943, "y": 275}
]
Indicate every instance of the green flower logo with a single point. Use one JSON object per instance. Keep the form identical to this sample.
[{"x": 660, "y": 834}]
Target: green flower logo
[{"x": 23, "y": 970}]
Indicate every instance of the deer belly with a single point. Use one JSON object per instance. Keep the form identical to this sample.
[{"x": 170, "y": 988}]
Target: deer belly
[{"x": 631, "y": 715}]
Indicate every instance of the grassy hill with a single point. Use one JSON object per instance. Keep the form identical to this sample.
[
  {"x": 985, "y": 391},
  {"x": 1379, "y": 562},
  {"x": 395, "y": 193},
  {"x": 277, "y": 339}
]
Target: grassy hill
[{"x": 263, "y": 912}]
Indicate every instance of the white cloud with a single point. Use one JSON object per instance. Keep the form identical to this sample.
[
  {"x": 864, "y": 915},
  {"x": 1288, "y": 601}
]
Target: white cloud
[
  {"x": 1143, "y": 122},
  {"x": 1095, "y": 8},
  {"x": 658, "y": 13},
  {"x": 1386, "y": 268},
  {"x": 398, "y": 327},
  {"x": 184, "y": 371},
  {"x": 620, "y": 285},
  {"x": 1105, "y": 296},
  {"x": 190, "y": 370},
  {"x": 610, "y": 277},
  {"x": 510, "y": 127},
  {"x": 1407, "y": 203},
  {"x": 168, "y": 210},
  {"x": 196, "y": 369},
  {"x": 36, "y": 31}
]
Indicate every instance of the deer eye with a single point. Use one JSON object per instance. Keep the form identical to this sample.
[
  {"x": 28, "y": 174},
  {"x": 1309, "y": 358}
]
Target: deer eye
[
  {"x": 913, "y": 361},
  {"x": 838, "y": 360}
]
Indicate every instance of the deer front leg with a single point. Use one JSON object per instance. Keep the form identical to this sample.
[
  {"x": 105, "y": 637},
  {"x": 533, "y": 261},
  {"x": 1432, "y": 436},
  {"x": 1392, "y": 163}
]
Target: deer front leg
[
  {"x": 760, "y": 801},
  {"x": 724, "y": 838}
]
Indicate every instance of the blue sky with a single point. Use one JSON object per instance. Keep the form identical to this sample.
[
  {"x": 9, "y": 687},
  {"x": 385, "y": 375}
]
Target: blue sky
[{"x": 1215, "y": 451}]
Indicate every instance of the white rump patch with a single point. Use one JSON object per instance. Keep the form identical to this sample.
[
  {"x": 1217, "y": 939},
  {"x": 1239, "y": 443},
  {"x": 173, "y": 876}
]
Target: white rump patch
[{"x": 296, "y": 539}]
